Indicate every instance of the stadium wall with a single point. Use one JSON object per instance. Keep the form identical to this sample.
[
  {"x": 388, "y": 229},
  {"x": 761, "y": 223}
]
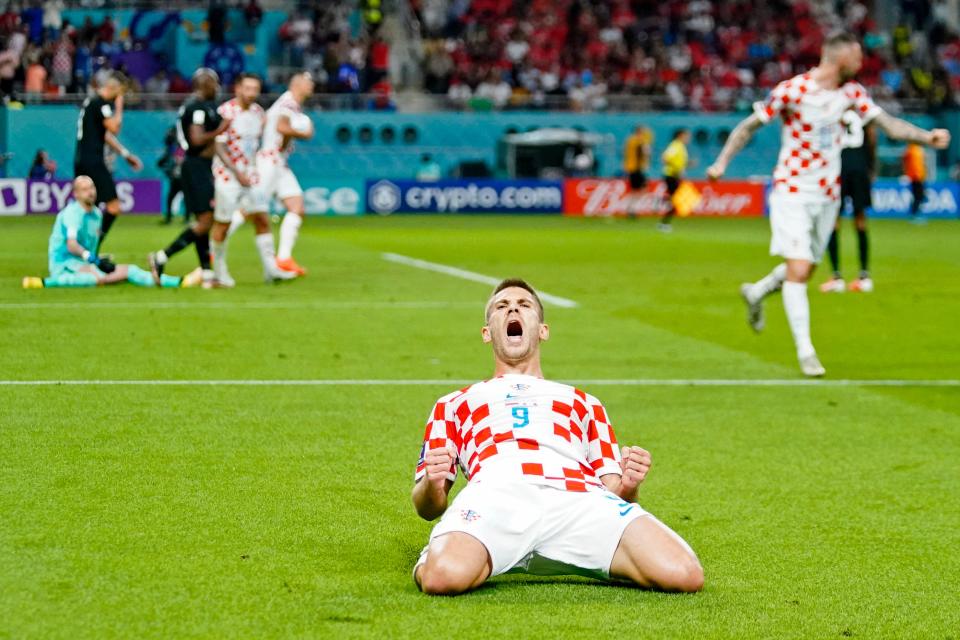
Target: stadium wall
[{"x": 371, "y": 145}]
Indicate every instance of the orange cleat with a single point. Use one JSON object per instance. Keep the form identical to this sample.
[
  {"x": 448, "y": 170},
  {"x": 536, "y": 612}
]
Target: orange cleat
[{"x": 289, "y": 264}]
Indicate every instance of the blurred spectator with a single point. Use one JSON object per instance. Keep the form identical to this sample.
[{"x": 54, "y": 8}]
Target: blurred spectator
[
  {"x": 43, "y": 167},
  {"x": 169, "y": 163},
  {"x": 62, "y": 61},
  {"x": 382, "y": 99},
  {"x": 428, "y": 170},
  {"x": 253, "y": 14},
  {"x": 495, "y": 88},
  {"x": 157, "y": 83},
  {"x": 53, "y": 17},
  {"x": 35, "y": 78}
]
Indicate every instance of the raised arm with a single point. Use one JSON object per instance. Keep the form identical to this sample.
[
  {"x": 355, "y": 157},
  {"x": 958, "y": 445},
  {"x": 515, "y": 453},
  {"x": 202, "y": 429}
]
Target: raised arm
[
  {"x": 897, "y": 129},
  {"x": 738, "y": 139},
  {"x": 431, "y": 491}
]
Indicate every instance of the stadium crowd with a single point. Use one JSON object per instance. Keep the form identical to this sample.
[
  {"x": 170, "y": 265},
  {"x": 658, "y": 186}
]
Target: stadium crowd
[{"x": 481, "y": 54}]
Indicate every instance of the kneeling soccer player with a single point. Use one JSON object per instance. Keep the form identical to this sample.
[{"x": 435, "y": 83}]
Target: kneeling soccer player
[
  {"x": 72, "y": 252},
  {"x": 548, "y": 492}
]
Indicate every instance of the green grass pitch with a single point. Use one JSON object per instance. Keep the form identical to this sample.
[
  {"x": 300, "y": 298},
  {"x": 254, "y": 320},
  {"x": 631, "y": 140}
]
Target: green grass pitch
[{"x": 281, "y": 511}]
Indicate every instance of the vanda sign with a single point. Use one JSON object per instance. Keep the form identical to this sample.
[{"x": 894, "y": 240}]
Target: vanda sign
[{"x": 892, "y": 199}]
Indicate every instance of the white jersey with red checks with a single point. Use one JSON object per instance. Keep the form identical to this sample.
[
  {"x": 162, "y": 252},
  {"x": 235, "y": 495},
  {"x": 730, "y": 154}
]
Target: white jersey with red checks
[
  {"x": 242, "y": 139},
  {"x": 273, "y": 146},
  {"x": 521, "y": 427},
  {"x": 810, "y": 146}
]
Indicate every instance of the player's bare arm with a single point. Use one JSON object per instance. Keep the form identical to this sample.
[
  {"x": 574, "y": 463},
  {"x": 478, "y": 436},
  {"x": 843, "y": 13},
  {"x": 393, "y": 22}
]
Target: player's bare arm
[
  {"x": 286, "y": 129},
  {"x": 635, "y": 465},
  {"x": 224, "y": 156},
  {"x": 114, "y": 143},
  {"x": 201, "y": 138},
  {"x": 114, "y": 122},
  {"x": 430, "y": 492},
  {"x": 739, "y": 138},
  {"x": 898, "y": 129}
]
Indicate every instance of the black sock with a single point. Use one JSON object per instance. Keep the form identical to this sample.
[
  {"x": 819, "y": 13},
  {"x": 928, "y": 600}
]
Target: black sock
[
  {"x": 864, "y": 252},
  {"x": 834, "y": 251},
  {"x": 105, "y": 225},
  {"x": 185, "y": 239},
  {"x": 202, "y": 242}
]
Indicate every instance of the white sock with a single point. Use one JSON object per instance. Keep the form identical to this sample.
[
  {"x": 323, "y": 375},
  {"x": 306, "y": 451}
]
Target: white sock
[
  {"x": 161, "y": 257},
  {"x": 236, "y": 221},
  {"x": 768, "y": 284},
  {"x": 264, "y": 242},
  {"x": 219, "y": 251},
  {"x": 289, "y": 229},
  {"x": 797, "y": 306}
]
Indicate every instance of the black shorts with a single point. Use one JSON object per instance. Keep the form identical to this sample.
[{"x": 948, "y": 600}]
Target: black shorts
[
  {"x": 673, "y": 183},
  {"x": 102, "y": 180},
  {"x": 196, "y": 175},
  {"x": 638, "y": 180},
  {"x": 856, "y": 186}
]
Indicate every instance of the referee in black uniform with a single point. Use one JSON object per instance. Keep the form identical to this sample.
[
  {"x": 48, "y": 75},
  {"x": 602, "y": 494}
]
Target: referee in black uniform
[
  {"x": 198, "y": 125},
  {"x": 857, "y": 166},
  {"x": 101, "y": 116}
]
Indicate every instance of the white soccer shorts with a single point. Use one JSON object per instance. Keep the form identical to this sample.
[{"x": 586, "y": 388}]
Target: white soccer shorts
[
  {"x": 230, "y": 196},
  {"x": 801, "y": 225},
  {"x": 540, "y": 530},
  {"x": 276, "y": 180}
]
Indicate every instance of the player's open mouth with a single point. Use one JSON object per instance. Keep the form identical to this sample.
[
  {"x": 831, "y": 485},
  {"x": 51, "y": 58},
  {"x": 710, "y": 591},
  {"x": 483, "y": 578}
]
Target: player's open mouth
[{"x": 514, "y": 331}]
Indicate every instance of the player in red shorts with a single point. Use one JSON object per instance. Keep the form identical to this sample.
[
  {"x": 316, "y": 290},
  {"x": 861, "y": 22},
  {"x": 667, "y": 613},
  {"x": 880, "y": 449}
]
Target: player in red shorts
[{"x": 548, "y": 491}]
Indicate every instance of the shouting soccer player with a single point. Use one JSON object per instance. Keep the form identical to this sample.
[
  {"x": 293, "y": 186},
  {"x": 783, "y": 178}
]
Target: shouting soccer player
[
  {"x": 804, "y": 202},
  {"x": 101, "y": 117},
  {"x": 235, "y": 176},
  {"x": 197, "y": 128},
  {"x": 548, "y": 491},
  {"x": 72, "y": 250}
]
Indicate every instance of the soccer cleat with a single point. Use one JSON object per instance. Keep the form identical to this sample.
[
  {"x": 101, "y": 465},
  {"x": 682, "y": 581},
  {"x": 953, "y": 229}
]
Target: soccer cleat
[
  {"x": 156, "y": 268},
  {"x": 32, "y": 282},
  {"x": 834, "y": 285},
  {"x": 862, "y": 285},
  {"x": 225, "y": 281},
  {"x": 192, "y": 279},
  {"x": 279, "y": 275},
  {"x": 754, "y": 309},
  {"x": 289, "y": 264},
  {"x": 811, "y": 367}
]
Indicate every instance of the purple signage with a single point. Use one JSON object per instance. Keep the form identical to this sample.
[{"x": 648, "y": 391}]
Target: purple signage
[{"x": 136, "y": 196}]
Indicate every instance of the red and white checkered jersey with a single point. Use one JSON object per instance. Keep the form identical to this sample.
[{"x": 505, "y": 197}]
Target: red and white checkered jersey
[
  {"x": 810, "y": 146},
  {"x": 242, "y": 139},
  {"x": 522, "y": 427},
  {"x": 273, "y": 147}
]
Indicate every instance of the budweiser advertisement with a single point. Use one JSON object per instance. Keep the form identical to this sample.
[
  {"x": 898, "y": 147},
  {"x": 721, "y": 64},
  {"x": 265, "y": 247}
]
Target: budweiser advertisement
[{"x": 611, "y": 197}]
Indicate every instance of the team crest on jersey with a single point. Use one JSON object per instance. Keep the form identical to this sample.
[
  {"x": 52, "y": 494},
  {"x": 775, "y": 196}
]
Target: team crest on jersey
[{"x": 469, "y": 515}]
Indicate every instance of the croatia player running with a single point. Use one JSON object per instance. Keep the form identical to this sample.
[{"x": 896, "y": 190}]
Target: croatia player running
[
  {"x": 805, "y": 199},
  {"x": 286, "y": 122},
  {"x": 235, "y": 178},
  {"x": 548, "y": 491}
]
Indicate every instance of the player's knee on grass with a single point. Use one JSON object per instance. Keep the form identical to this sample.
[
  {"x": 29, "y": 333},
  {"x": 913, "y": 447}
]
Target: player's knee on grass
[
  {"x": 455, "y": 563},
  {"x": 652, "y": 556}
]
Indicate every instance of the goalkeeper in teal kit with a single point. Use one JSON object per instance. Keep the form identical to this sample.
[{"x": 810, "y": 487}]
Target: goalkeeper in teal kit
[{"x": 72, "y": 252}]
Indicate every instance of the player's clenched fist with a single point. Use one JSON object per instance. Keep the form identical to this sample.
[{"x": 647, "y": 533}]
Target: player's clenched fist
[
  {"x": 437, "y": 464},
  {"x": 635, "y": 463}
]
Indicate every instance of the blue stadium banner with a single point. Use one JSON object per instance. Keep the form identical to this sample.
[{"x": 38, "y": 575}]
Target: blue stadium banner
[
  {"x": 465, "y": 196},
  {"x": 892, "y": 199}
]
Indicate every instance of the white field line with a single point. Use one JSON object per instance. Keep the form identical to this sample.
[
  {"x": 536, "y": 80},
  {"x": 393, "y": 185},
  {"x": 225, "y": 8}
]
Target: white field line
[
  {"x": 638, "y": 382},
  {"x": 199, "y": 304},
  {"x": 470, "y": 275}
]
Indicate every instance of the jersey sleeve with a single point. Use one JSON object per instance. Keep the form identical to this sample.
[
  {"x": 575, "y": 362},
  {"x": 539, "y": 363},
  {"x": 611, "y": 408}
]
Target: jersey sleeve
[
  {"x": 72, "y": 220},
  {"x": 602, "y": 451},
  {"x": 106, "y": 110},
  {"x": 776, "y": 103},
  {"x": 441, "y": 431},
  {"x": 862, "y": 104},
  {"x": 198, "y": 116}
]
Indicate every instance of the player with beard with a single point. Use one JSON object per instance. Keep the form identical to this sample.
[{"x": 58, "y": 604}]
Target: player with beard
[
  {"x": 548, "y": 491},
  {"x": 805, "y": 199}
]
